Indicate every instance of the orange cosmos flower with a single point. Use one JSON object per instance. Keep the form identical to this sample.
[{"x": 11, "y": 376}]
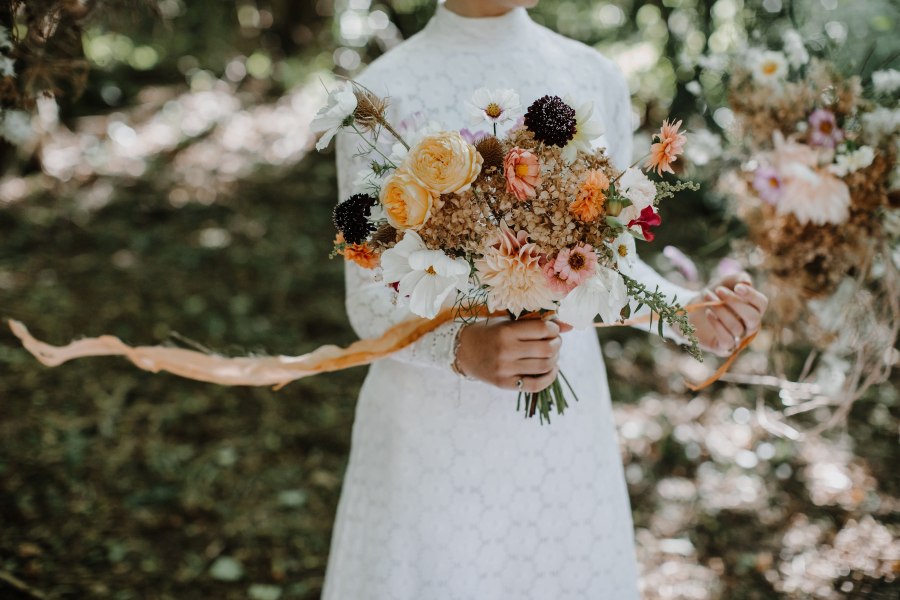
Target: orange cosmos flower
[
  {"x": 591, "y": 197},
  {"x": 669, "y": 145}
]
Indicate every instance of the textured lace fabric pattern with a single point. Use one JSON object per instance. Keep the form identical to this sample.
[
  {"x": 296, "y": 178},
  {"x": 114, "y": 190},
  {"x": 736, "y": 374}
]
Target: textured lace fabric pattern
[
  {"x": 449, "y": 493},
  {"x": 373, "y": 308}
]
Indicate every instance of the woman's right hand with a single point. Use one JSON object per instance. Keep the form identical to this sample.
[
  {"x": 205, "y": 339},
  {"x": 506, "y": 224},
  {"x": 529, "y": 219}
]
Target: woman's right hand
[{"x": 503, "y": 352}]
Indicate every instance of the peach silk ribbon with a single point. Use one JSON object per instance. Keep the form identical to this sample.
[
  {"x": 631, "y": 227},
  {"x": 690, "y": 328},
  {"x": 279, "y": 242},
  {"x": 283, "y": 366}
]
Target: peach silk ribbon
[{"x": 277, "y": 371}]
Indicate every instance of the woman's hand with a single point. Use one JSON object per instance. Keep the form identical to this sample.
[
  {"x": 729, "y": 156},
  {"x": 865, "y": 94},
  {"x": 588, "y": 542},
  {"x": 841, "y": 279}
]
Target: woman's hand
[
  {"x": 720, "y": 329},
  {"x": 503, "y": 352}
]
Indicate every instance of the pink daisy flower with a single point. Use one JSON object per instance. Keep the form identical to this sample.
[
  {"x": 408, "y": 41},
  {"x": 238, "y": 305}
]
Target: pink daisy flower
[
  {"x": 823, "y": 129},
  {"x": 572, "y": 267}
]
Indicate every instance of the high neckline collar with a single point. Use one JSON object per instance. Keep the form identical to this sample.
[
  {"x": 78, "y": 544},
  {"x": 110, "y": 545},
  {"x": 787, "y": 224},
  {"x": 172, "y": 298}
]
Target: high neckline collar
[{"x": 508, "y": 25}]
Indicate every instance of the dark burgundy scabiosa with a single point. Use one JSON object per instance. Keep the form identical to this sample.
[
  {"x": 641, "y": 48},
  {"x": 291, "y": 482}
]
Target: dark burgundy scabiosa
[
  {"x": 350, "y": 217},
  {"x": 551, "y": 120}
]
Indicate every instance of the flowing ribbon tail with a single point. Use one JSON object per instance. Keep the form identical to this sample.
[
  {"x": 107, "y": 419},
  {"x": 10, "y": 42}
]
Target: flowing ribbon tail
[
  {"x": 694, "y": 387},
  {"x": 279, "y": 371},
  {"x": 251, "y": 371}
]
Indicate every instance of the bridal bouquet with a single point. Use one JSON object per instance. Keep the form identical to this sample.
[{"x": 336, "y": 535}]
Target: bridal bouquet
[
  {"x": 818, "y": 187},
  {"x": 818, "y": 177},
  {"x": 527, "y": 223}
]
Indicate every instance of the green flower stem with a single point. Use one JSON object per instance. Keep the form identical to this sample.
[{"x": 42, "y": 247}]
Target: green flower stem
[
  {"x": 374, "y": 147},
  {"x": 542, "y": 403}
]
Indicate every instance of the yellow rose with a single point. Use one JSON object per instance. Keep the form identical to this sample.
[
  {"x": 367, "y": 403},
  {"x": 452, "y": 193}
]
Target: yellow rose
[
  {"x": 444, "y": 162},
  {"x": 406, "y": 202}
]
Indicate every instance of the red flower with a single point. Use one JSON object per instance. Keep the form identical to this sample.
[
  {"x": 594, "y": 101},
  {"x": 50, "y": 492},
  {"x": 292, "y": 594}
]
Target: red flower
[{"x": 647, "y": 220}]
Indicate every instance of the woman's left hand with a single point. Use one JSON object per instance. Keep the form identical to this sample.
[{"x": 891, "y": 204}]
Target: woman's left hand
[{"x": 720, "y": 329}]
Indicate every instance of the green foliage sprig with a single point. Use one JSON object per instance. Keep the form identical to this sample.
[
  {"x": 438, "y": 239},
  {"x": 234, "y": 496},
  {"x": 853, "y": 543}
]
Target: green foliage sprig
[
  {"x": 672, "y": 314},
  {"x": 664, "y": 189}
]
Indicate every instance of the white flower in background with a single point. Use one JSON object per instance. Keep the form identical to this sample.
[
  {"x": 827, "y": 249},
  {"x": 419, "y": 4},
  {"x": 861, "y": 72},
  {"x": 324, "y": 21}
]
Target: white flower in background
[
  {"x": 638, "y": 188},
  {"x": 603, "y": 294},
  {"x": 813, "y": 196},
  {"x": 880, "y": 123},
  {"x": 7, "y": 67},
  {"x": 586, "y": 131},
  {"x": 334, "y": 115},
  {"x": 494, "y": 106},
  {"x": 15, "y": 127},
  {"x": 852, "y": 162},
  {"x": 704, "y": 148},
  {"x": 694, "y": 87},
  {"x": 713, "y": 62},
  {"x": 769, "y": 67},
  {"x": 892, "y": 223},
  {"x": 426, "y": 278},
  {"x": 5, "y": 42},
  {"x": 795, "y": 49},
  {"x": 886, "y": 82},
  {"x": 624, "y": 252}
]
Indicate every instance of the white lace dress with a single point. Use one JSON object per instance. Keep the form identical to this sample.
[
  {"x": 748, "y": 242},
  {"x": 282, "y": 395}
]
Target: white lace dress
[{"x": 449, "y": 492}]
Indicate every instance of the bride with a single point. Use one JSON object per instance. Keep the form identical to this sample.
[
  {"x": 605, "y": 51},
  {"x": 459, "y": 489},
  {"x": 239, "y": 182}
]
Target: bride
[{"x": 449, "y": 493}]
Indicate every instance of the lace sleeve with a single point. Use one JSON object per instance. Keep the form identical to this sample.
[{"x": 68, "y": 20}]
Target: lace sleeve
[
  {"x": 371, "y": 305},
  {"x": 621, "y": 151}
]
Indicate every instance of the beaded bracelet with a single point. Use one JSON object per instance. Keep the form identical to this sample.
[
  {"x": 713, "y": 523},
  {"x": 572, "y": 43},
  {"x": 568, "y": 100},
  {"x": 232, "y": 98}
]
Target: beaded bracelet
[{"x": 454, "y": 365}]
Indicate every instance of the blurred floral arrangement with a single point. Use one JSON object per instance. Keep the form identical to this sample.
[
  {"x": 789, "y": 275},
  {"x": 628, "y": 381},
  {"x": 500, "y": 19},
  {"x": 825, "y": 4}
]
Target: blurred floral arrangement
[
  {"x": 41, "y": 54},
  {"x": 818, "y": 187},
  {"x": 531, "y": 222}
]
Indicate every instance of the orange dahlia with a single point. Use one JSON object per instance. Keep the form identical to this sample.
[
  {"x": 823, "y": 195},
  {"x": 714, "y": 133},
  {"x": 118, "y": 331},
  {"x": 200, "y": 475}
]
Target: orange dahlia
[
  {"x": 361, "y": 254},
  {"x": 669, "y": 145},
  {"x": 591, "y": 199}
]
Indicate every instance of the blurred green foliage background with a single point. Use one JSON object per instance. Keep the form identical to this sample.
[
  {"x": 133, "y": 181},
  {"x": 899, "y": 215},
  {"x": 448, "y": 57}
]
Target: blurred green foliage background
[{"x": 176, "y": 200}]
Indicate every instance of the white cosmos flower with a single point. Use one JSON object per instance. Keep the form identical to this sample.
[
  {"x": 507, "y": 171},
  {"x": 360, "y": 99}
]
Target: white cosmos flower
[
  {"x": 886, "y": 82},
  {"x": 769, "y": 67},
  {"x": 638, "y": 188},
  {"x": 851, "y": 162},
  {"x": 426, "y": 277},
  {"x": 624, "y": 251},
  {"x": 586, "y": 131},
  {"x": 603, "y": 294},
  {"x": 334, "y": 115},
  {"x": 494, "y": 106}
]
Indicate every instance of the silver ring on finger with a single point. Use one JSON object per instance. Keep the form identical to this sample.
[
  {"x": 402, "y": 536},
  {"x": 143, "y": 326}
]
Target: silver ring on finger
[{"x": 520, "y": 383}]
